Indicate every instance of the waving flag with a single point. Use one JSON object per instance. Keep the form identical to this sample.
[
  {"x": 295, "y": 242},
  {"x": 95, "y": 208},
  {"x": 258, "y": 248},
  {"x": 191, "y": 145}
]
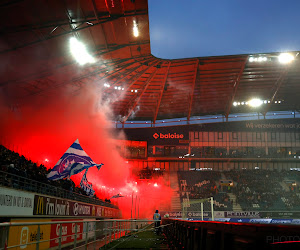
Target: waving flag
[
  {"x": 86, "y": 186},
  {"x": 74, "y": 160},
  {"x": 117, "y": 196}
]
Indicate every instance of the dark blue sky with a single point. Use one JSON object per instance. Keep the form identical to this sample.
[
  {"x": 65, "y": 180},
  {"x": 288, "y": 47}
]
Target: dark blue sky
[{"x": 191, "y": 28}]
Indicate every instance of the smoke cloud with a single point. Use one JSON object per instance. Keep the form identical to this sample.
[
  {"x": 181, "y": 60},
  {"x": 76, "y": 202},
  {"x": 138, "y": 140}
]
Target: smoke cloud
[{"x": 46, "y": 126}]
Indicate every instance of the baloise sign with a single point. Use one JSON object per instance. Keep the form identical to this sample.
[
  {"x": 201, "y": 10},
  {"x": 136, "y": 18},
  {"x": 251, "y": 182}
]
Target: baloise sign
[
  {"x": 178, "y": 135},
  {"x": 169, "y": 138}
]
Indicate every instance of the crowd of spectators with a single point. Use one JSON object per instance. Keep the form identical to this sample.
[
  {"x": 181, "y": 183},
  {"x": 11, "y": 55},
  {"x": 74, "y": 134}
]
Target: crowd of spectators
[
  {"x": 18, "y": 172},
  {"x": 262, "y": 190},
  {"x": 201, "y": 185},
  {"x": 222, "y": 152},
  {"x": 147, "y": 173}
]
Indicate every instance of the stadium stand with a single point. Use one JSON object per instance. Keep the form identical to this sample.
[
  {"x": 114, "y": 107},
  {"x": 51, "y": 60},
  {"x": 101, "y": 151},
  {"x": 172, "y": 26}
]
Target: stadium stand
[
  {"x": 263, "y": 190},
  {"x": 19, "y": 173}
]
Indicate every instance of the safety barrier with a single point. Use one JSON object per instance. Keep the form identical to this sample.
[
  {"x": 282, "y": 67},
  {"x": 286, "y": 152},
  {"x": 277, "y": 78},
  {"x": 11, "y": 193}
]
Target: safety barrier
[
  {"x": 66, "y": 233},
  {"x": 222, "y": 235},
  {"x": 19, "y": 182}
]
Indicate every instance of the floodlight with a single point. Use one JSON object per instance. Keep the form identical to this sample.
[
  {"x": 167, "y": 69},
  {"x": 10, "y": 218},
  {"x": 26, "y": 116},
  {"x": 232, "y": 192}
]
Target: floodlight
[
  {"x": 285, "y": 58},
  {"x": 255, "y": 102},
  {"x": 235, "y": 104},
  {"x": 79, "y": 52},
  {"x": 251, "y": 59},
  {"x": 135, "y": 29}
]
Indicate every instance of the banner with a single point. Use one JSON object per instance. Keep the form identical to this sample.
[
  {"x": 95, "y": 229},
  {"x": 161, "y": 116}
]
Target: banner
[
  {"x": 19, "y": 235},
  {"x": 90, "y": 228},
  {"x": 245, "y": 214},
  {"x": 67, "y": 231},
  {"x": 15, "y": 202},
  {"x": 285, "y": 214},
  {"x": 86, "y": 185},
  {"x": 179, "y": 135},
  {"x": 44, "y": 205}
]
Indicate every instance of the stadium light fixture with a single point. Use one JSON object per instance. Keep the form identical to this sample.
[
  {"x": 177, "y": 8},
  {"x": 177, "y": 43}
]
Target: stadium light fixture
[
  {"x": 285, "y": 58},
  {"x": 255, "y": 102},
  {"x": 79, "y": 52},
  {"x": 258, "y": 59},
  {"x": 135, "y": 29}
]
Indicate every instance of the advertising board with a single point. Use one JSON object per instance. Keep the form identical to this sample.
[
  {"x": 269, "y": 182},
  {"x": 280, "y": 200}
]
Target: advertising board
[
  {"x": 51, "y": 206},
  {"x": 15, "y": 202},
  {"x": 22, "y": 235}
]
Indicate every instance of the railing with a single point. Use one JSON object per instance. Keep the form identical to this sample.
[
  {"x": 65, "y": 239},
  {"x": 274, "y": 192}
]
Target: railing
[
  {"x": 19, "y": 182},
  {"x": 221, "y": 235},
  {"x": 75, "y": 234}
]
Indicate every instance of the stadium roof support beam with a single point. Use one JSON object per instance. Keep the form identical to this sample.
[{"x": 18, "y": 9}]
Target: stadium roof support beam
[
  {"x": 102, "y": 20},
  {"x": 161, "y": 93},
  {"x": 129, "y": 71},
  {"x": 141, "y": 94},
  {"x": 98, "y": 21},
  {"x": 235, "y": 87},
  {"x": 135, "y": 79},
  {"x": 193, "y": 89},
  {"x": 277, "y": 86},
  {"x": 137, "y": 76}
]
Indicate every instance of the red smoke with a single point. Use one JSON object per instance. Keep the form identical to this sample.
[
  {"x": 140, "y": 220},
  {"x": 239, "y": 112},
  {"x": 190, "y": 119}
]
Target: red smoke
[{"x": 46, "y": 127}]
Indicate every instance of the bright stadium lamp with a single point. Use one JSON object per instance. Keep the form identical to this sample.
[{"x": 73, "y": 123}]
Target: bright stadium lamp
[
  {"x": 255, "y": 102},
  {"x": 135, "y": 29},
  {"x": 285, "y": 58},
  {"x": 79, "y": 52}
]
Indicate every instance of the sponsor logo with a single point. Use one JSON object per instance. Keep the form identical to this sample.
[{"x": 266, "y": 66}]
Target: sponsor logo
[
  {"x": 40, "y": 205},
  {"x": 24, "y": 237},
  {"x": 155, "y": 135},
  {"x": 168, "y": 136}
]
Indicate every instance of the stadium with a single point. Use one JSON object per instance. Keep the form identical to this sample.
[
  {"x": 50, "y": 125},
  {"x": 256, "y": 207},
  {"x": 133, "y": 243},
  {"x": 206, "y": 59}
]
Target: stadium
[{"x": 97, "y": 134}]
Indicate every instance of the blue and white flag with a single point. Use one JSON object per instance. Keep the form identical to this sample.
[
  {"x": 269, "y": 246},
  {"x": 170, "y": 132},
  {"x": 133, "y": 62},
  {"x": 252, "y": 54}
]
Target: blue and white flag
[
  {"x": 86, "y": 186},
  {"x": 74, "y": 160}
]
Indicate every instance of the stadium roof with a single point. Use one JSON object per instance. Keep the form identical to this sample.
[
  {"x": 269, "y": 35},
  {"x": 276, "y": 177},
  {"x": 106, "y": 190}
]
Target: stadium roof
[{"x": 36, "y": 61}]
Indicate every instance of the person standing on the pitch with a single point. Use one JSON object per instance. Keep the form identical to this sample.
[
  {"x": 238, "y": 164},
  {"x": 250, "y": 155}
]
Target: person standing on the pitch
[{"x": 157, "y": 218}]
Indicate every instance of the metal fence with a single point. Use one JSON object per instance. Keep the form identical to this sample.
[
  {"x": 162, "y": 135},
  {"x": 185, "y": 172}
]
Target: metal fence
[
  {"x": 77, "y": 234},
  {"x": 20, "y": 182}
]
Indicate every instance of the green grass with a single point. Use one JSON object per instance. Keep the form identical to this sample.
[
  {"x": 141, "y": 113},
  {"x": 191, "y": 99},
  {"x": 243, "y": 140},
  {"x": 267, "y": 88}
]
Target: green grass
[{"x": 139, "y": 240}]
